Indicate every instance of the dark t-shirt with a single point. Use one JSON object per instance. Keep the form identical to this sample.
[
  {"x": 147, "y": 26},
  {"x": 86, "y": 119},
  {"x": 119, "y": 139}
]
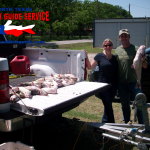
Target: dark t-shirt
[{"x": 107, "y": 68}]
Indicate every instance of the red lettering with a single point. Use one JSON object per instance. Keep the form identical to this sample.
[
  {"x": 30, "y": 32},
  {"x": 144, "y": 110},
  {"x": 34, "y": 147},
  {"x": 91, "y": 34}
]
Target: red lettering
[
  {"x": 13, "y": 16},
  {"x": 33, "y": 16},
  {"x": 29, "y": 16},
  {"x": 47, "y": 15},
  {"x": 16, "y": 16},
  {"x": 20, "y": 16},
  {"x": 9, "y": 16},
  {"x": 43, "y": 13},
  {"x": 37, "y": 16},
  {"x": 0, "y": 16},
  {"x": 5, "y": 16},
  {"x": 25, "y": 16}
]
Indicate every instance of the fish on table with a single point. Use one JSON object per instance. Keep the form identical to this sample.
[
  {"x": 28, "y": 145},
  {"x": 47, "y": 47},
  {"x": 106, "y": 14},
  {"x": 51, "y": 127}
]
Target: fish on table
[{"x": 42, "y": 86}]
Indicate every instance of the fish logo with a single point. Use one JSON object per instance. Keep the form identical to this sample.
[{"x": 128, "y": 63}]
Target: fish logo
[{"x": 8, "y": 29}]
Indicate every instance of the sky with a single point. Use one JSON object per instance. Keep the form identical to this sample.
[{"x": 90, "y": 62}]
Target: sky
[{"x": 138, "y": 8}]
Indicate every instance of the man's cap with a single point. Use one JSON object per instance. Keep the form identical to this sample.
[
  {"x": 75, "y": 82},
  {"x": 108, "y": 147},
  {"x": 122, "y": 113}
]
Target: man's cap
[{"x": 126, "y": 31}]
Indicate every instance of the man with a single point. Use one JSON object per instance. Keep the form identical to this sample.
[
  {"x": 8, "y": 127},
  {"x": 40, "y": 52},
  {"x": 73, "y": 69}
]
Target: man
[{"x": 126, "y": 79}]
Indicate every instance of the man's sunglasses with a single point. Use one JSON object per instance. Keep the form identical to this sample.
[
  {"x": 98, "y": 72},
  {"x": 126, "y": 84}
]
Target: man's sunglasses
[{"x": 108, "y": 45}]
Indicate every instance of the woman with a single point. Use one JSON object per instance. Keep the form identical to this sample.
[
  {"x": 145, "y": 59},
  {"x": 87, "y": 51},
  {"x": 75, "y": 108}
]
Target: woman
[{"x": 107, "y": 74}]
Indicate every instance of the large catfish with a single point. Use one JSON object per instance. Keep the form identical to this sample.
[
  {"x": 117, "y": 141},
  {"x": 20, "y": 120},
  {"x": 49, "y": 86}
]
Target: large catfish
[{"x": 137, "y": 64}]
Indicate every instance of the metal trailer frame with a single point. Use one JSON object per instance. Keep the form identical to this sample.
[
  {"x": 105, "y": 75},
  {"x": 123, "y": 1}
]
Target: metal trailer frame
[{"x": 133, "y": 134}]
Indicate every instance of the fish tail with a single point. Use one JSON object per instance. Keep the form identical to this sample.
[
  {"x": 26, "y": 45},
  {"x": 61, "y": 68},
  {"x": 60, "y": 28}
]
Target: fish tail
[{"x": 138, "y": 85}]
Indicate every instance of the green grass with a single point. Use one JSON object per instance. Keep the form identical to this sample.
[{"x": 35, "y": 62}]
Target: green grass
[
  {"x": 82, "y": 46},
  {"x": 88, "y": 46},
  {"x": 83, "y": 114},
  {"x": 92, "y": 111},
  {"x": 47, "y": 38}
]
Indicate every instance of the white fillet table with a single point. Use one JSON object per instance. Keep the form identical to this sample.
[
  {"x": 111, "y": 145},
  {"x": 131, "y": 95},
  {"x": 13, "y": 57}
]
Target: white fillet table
[{"x": 49, "y": 106}]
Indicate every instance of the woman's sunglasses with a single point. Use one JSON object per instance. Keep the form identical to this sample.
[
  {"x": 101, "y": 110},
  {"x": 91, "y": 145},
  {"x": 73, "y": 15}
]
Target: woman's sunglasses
[{"x": 108, "y": 45}]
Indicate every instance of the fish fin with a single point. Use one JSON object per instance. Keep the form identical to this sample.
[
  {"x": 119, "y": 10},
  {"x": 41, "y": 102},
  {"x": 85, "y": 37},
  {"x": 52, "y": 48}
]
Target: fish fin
[
  {"x": 141, "y": 56},
  {"x": 140, "y": 86},
  {"x": 135, "y": 75},
  {"x": 136, "y": 86}
]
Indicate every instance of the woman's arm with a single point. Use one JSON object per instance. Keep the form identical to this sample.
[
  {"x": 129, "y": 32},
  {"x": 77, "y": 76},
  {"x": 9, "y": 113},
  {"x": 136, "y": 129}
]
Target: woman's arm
[{"x": 89, "y": 64}]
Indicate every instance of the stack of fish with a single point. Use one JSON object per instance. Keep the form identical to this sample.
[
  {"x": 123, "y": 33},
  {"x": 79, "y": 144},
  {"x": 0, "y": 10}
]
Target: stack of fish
[{"x": 42, "y": 86}]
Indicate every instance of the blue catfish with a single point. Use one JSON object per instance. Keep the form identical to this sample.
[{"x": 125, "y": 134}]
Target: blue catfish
[{"x": 137, "y": 64}]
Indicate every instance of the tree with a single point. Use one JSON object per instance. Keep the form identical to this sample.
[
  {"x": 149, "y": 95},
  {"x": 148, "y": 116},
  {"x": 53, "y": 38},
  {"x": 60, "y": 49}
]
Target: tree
[{"x": 65, "y": 16}]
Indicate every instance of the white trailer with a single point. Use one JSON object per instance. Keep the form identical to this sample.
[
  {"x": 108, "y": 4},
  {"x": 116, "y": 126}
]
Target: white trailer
[{"x": 139, "y": 29}]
